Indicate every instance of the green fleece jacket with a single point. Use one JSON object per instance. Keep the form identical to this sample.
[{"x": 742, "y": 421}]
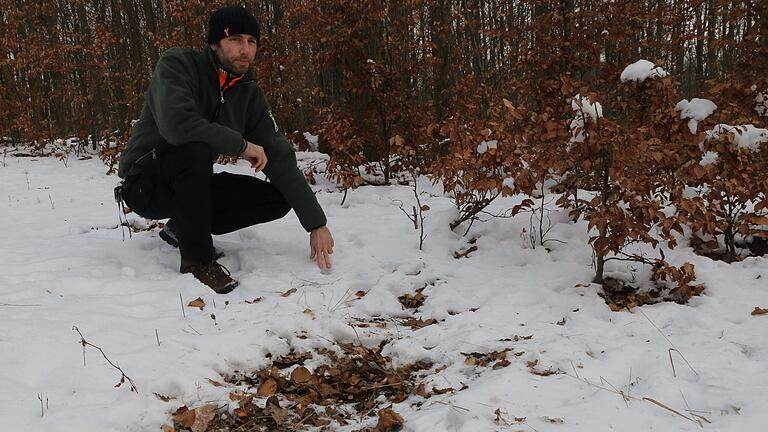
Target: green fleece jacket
[{"x": 184, "y": 104}]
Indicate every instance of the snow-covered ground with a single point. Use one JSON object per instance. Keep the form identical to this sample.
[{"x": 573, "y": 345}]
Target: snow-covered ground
[{"x": 63, "y": 263}]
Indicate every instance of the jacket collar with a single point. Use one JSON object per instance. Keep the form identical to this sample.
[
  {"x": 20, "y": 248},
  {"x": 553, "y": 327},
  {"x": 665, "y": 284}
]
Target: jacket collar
[{"x": 248, "y": 76}]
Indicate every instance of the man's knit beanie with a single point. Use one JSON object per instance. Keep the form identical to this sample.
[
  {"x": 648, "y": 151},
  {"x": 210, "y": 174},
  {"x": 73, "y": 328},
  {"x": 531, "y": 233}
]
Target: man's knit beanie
[{"x": 231, "y": 20}]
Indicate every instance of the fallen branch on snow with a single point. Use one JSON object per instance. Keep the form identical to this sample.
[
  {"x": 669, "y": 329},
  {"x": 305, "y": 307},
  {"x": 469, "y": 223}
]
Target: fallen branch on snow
[{"x": 123, "y": 376}]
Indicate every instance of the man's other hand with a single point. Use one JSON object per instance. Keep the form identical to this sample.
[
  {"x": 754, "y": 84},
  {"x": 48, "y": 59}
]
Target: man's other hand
[
  {"x": 321, "y": 246},
  {"x": 255, "y": 155}
]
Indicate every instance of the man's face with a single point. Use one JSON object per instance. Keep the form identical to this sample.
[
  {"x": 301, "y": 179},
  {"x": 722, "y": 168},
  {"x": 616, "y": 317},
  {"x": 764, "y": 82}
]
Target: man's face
[{"x": 236, "y": 52}]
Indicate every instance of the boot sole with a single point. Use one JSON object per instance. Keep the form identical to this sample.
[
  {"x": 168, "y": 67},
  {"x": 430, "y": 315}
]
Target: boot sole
[
  {"x": 168, "y": 239},
  {"x": 228, "y": 289},
  {"x": 217, "y": 254}
]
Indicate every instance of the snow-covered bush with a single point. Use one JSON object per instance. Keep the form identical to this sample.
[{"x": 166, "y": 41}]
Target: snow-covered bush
[{"x": 731, "y": 187}]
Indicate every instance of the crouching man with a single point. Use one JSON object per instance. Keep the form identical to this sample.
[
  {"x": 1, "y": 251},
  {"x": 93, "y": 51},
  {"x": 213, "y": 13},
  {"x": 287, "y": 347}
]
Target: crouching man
[{"x": 201, "y": 104}]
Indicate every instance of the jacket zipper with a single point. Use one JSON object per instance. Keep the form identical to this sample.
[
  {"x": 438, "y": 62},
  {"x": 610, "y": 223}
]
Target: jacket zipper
[
  {"x": 144, "y": 156},
  {"x": 222, "y": 101}
]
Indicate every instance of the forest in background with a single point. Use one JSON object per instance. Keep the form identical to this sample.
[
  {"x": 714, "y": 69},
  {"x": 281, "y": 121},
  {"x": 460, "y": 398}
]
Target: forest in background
[
  {"x": 488, "y": 97},
  {"x": 80, "y": 68}
]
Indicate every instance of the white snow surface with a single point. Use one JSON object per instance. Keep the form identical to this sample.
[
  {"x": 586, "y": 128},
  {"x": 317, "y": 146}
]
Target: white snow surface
[
  {"x": 642, "y": 70},
  {"x": 709, "y": 158},
  {"x": 696, "y": 110},
  {"x": 313, "y": 140},
  {"x": 64, "y": 263},
  {"x": 746, "y": 137}
]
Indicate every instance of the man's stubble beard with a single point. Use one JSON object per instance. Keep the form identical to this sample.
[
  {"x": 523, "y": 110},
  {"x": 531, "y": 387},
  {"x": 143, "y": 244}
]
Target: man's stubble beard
[{"x": 230, "y": 65}]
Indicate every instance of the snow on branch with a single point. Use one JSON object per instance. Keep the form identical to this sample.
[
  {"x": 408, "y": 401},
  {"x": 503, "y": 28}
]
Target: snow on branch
[
  {"x": 641, "y": 70},
  {"x": 696, "y": 110}
]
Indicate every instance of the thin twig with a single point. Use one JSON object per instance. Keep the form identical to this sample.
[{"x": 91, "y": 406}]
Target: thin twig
[
  {"x": 574, "y": 370},
  {"x": 19, "y": 305},
  {"x": 647, "y": 399},
  {"x": 670, "y": 342},
  {"x": 451, "y": 405},
  {"x": 123, "y": 376},
  {"x": 655, "y": 402},
  {"x": 671, "y": 362},
  {"x": 181, "y": 300},
  {"x": 621, "y": 393},
  {"x": 157, "y": 336}
]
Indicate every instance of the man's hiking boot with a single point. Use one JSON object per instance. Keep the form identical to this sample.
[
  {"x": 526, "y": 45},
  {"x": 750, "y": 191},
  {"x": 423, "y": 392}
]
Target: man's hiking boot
[
  {"x": 170, "y": 237},
  {"x": 213, "y": 274}
]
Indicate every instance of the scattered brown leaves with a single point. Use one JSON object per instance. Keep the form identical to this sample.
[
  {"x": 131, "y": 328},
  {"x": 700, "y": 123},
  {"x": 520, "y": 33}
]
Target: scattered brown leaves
[
  {"x": 349, "y": 385},
  {"x": 485, "y": 359},
  {"x": 413, "y": 301},
  {"x": 759, "y": 311},
  {"x": 292, "y": 358},
  {"x": 418, "y": 323},
  {"x": 536, "y": 371},
  {"x": 196, "y": 420},
  {"x": 619, "y": 295}
]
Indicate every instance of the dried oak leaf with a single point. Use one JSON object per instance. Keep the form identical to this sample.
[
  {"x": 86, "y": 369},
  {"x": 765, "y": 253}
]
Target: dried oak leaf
[
  {"x": 203, "y": 417},
  {"x": 465, "y": 253},
  {"x": 267, "y": 388},
  {"x": 198, "y": 303},
  {"x": 759, "y": 311},
  {"x": 389, "y": 421},
  {"x": 301, "y": 375},
  {"x": 238, "y": 395},
  {"x": 501, "y": 364},
  {"x": 184, "y": 416},
  {"x": 280, "y": 415},
  {"x": 421, "y": 390},
  {"x": 215, "y": 383},
  {"x": 289, "y": 292},
  {"x": 319, "y": 421},
  {"x": 167, "y": 428},
  {"x": 418, "y": 323},
  {"x": 162, "y": 397},
  {"x": 291, "y": 359}
]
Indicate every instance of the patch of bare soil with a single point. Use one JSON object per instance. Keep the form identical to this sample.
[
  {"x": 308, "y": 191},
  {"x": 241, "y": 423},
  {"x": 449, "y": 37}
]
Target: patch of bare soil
[{"x": 620, "y": 295}]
